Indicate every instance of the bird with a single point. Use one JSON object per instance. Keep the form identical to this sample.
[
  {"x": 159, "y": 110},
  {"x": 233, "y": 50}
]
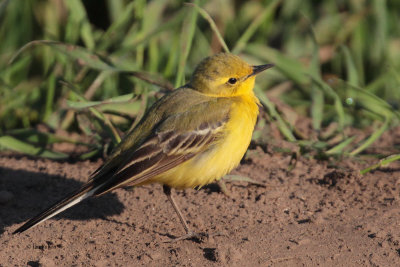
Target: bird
[{"x": 190, "y": 137}]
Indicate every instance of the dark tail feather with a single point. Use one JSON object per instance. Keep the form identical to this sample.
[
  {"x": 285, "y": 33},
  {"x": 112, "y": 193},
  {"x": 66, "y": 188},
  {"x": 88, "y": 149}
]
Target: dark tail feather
[{"x": 85, "y": 191}]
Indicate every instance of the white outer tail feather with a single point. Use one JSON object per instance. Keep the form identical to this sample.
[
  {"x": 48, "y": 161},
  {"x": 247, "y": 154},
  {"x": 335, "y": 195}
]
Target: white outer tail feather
[{"x": 70, "y": 204}]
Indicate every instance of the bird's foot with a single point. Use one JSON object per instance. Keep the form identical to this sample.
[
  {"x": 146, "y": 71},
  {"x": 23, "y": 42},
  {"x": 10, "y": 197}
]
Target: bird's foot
[{"x": 190, "y": 235}]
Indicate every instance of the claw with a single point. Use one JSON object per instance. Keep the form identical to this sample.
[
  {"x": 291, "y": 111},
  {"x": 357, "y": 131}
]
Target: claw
[{"x": 189, "y": 235}]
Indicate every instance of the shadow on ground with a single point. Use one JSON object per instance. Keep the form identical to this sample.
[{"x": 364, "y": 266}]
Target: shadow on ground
[{"x": 33, "y": 192}]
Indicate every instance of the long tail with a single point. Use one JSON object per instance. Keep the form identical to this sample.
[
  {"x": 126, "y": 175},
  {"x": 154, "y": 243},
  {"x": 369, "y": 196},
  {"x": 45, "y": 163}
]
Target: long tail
[{"x": 74, "y": 198}]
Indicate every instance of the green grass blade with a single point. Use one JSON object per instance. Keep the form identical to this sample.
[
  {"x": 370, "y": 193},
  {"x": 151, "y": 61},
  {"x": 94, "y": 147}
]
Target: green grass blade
[
  {"x": 88, "y": 104},
  {"x": 380, "y": 29},
  {"x": 381, "y": 163},
  {"x": 289, "y": 67},
  {"x": 99, "y": 115},
  {"x": 373, "y": 137},
  {"x": 79, "y": 24},
  {"x": 338, "y": 149},
  {"x": 118, "y": 28},
  {"x": 134, "y": 40},
  {"x": 41, "y": 138},
  {"x": 270, "y": 107},
  {"x": 151, "y": 78},
  {"x": 50, "y": 94},
  {"x": 352, "y": 75},
  {"x": 186, "y": 43},
  {"x": 82, "y": 55},
  {"x": 317, "y": 95},
  {"x": 337, "y": 101},
  {"x": 371, "y": 102},
  {"x": 11, "y": 143},
  {"x": 116, "y": 8},
  {"x": 317, "y": 106},
  {"x": 90, "y": 154},
  {"x": 3, "y": 6},
  {"x": 129, "y": 108},
  {"x": 213, "y": 26},
  {"x": 267, "y": 13}
]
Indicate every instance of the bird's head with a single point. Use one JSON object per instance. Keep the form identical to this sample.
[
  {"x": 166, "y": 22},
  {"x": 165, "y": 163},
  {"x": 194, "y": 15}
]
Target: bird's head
[{"x": 225, "y": 74}]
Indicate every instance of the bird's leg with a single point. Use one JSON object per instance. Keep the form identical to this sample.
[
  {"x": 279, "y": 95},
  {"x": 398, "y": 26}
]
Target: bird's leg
[
  {"x": 167, "y": 191},
  {"x": 189, "y": 234}
]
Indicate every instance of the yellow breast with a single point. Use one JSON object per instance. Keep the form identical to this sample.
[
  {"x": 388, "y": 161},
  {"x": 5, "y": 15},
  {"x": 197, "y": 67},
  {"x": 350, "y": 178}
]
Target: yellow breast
[{"x": 226, "y": 155}]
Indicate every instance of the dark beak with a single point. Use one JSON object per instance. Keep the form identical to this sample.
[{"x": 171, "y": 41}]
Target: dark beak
[{"x": 260, "y": 68}]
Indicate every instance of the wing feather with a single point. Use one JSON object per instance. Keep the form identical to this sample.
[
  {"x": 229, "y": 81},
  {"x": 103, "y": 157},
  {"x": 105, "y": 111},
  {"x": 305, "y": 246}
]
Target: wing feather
[{"x": 160, "y": 153}]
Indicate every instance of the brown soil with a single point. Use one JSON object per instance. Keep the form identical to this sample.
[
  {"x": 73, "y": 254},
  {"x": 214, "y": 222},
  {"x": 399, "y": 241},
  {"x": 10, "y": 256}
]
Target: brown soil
[{"x": 318, "y": 214}]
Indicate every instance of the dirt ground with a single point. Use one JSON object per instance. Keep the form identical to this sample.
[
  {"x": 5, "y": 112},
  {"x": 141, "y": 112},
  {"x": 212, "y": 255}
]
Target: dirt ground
[{"x": 321, "y": 213}]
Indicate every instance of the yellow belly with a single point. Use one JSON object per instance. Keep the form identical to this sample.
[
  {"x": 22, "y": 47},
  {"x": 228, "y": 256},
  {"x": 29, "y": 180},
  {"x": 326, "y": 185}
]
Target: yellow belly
[{"x": 224, "y": 156}]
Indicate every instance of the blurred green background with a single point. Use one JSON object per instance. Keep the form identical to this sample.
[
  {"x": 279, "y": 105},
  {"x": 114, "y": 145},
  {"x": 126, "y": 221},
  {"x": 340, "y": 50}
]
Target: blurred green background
[{"x": 91, "y": 68}]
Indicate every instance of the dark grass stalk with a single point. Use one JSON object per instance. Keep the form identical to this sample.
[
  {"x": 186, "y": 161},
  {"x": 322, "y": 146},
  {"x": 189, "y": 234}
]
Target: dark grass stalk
[{"x": 213, "y": 26}]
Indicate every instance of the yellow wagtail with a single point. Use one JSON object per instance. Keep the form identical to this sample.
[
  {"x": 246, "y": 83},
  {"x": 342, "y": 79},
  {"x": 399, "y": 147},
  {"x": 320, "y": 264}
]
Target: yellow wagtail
[{"x": 189, "y": 138}]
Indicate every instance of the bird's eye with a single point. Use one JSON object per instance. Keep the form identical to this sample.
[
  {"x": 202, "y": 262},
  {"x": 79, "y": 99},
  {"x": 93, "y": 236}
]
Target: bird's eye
[{"x": 232, "y": 80}]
